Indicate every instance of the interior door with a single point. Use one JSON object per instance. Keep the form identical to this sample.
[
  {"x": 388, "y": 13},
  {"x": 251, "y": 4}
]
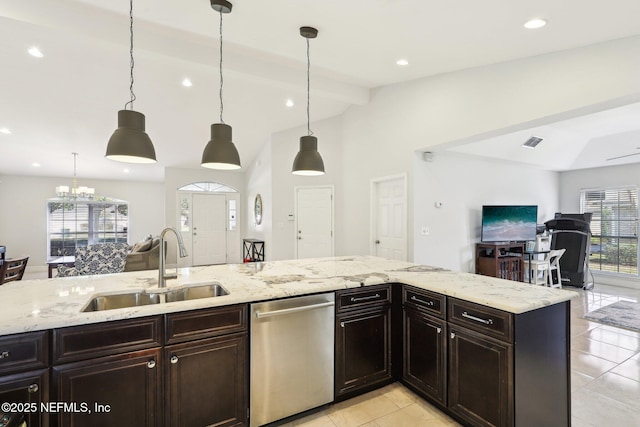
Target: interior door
[
  {"x": 209, "y": 232},
  {"x": 314, "y": 231},
  {"x": 390, "y": 218}
]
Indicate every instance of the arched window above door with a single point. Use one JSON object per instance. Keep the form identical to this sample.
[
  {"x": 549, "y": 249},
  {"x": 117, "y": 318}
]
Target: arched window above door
[{"x": 209, "y": 187}]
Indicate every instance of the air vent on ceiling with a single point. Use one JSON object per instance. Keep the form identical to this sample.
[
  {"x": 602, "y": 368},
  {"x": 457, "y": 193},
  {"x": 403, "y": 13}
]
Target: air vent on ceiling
[{"x": 532, "y": 142}]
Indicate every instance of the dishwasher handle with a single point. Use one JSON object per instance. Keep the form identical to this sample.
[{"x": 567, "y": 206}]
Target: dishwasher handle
[{"x": 261, "y": 314}]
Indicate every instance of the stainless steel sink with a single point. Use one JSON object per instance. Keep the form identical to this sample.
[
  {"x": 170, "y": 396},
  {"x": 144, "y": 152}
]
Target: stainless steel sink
[
  {"x": 196, "y": 292},
  {"x": 131, "y": 299},
  {"x": 140, "y": 298}
]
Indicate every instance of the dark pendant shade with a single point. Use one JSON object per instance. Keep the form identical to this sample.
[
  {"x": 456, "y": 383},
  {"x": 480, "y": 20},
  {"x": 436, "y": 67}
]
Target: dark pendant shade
[
  {"x": 308, "y": 161},
  {"x": 220, "y": 153},
  {"x": 130, "y": 143}
]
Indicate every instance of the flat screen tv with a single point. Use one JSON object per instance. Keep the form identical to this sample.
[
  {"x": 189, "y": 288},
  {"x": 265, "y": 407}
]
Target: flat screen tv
[{"x": 509, "y": 223}]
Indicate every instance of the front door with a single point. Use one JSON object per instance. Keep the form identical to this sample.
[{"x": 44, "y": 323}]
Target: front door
[
  {"x": 389, "y": 228},
  {"x": 314, "y": 222},
  {"x": 209, "y": 236}
]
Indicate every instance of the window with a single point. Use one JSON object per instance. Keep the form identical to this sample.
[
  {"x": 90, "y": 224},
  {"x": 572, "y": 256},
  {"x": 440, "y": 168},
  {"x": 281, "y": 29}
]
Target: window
[
  {"x": 614, "y": 228},
  {"x": 72, "y": 223},
  {"x": 210, "y": 187}
]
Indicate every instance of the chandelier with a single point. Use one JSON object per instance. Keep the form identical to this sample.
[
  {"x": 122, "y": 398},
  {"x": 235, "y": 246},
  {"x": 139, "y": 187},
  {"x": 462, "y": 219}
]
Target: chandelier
[{"x": 75, "y": 191}]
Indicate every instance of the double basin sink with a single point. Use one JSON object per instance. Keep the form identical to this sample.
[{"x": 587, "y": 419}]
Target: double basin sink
[{"x": 140, "y": 298}]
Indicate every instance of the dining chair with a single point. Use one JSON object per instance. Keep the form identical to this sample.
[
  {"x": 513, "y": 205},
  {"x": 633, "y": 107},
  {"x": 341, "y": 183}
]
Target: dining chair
[{"x": 13, "y": 269}]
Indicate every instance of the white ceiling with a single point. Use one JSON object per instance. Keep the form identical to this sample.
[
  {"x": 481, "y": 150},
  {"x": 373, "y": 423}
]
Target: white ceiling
[{"x": 68, "y": 101}]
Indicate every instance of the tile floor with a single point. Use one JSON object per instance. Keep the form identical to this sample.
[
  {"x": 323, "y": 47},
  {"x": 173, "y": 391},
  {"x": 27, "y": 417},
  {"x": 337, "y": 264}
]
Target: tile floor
[{"x": 605, "y": 369}]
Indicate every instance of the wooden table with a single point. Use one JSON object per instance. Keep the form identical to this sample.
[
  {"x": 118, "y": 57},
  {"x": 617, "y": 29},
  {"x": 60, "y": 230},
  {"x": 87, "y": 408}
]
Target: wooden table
[{"x": 67, "y": 261}]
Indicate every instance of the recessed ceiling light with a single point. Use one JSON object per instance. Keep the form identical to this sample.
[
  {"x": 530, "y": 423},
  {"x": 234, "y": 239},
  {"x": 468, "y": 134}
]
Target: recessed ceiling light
[
  {"x": 289, "y": 103},
  {"x": 35, "y": 165},
  {"x": 535, "y": 23},
  {"x": 126, "y": 171},
  {"x": 34, "y": 51},
  {"x": 186, "y": 82},
  {"x": 5, "y": 131},
  {"x": 402, "y": 62}
]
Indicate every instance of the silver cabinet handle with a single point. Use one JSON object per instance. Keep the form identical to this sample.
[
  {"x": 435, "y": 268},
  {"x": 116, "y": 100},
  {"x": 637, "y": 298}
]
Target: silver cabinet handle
[
  {"x": 439, "y": 330},
  {"x": 354, "y": 299},
  {"x": 33, "y": 388},
  {"x": 174, "y": 359},
  {"x": 260, "y": 314},
  {"x": 452, "y": 335},
  {"x": 416, "y": 299},
  {"x": 342, "y": 324},
  {"x": 477, "y": 319},
  {"x": 151, "y": 364},
  {"x": 377, "y": 242},
  {"x": 4, "y": 355}
]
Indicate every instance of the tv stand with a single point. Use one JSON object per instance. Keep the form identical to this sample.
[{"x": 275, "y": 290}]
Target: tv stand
[{"x": 504, "y": 260}]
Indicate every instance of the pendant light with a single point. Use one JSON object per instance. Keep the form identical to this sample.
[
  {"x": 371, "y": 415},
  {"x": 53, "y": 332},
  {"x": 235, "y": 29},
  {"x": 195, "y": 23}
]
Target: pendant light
[
  {"x": 308, "y": 161},
  {"x": 130, "y": 143},
  {"x": 220, "y": 152}
]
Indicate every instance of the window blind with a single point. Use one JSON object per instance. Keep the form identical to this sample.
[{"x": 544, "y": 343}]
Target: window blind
[
  {"x": 73, "y": 223},
  {"x": 614, "y": 228}
]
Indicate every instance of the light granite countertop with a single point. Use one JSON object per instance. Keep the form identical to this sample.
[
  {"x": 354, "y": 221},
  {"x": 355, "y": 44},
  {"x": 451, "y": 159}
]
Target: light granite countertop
[{"x": 31, "y": 305}]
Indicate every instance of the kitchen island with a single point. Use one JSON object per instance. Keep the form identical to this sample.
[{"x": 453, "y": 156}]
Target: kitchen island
[{"x": 519, "y": 310}]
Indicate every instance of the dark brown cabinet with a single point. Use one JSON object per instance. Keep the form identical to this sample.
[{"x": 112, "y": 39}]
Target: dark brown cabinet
[
  {"x": 485, "y": 366},
  {"x": 119, "y": 373},
  {"x": 121, "y": 390},
  {"x": 480, "y": 363},
  {"x": 363, "y": 340},
  {"x": 206, "y": 380},
  {"x": 30, "y": 387},
  {"x": 24, "y": 377},
  {"x": 110, "y": 373},
  {"x": 425, "y": 342},
  {"x": 480, "y": 379}
]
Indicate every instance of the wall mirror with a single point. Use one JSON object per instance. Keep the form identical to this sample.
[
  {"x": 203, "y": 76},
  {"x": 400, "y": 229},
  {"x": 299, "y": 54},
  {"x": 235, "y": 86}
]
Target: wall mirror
[{"x": 257, "y": 209}]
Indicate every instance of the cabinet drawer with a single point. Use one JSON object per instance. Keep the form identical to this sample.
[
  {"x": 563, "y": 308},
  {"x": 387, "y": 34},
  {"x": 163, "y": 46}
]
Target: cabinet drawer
[
  {"x": 363, "y": 297},
  {"x": 22, "y": 352},
  {"x": 192, "y": 325},
  {"x": 431, "y": 302},
  {"x": 489, "y": 321},
  {"x": 103, "y": 339}
]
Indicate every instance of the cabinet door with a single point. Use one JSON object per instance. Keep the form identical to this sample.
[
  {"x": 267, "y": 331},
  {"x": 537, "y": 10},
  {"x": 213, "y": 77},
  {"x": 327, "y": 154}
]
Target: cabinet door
[
  {"x": 29, "y": 387},
  {"x": 123, "y": 391},
  {"x": 425, "y": 346},
  {"x": 206, "y": 382},
  {"x": 363, "y": 350},
  {"x": 480, "y": 378}
]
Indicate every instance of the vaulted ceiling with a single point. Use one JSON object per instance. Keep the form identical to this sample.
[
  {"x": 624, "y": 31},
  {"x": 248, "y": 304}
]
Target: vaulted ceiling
[{"x": 67, "y": 101}]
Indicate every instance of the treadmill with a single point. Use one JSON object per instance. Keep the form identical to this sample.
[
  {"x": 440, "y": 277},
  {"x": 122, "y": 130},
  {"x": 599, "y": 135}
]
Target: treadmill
[{"x": 572, "y": 232}]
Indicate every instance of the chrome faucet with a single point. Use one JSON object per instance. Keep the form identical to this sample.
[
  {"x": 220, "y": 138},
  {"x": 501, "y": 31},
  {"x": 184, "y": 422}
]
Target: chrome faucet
[{"x": 183, "y": 253}]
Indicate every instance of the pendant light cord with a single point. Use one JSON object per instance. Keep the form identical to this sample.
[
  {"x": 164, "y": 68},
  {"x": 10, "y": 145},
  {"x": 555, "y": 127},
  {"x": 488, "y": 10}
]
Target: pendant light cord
[
  {"x": 309, "y": 132},
  {"x": 131, "y": 64},
  {"x": 221, "y": 78}
]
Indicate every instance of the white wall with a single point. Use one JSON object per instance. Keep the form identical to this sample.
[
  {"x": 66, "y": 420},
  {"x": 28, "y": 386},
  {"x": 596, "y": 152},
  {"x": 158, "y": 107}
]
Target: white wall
[
  {"x": 463, "y": 184},
  {"x": 23, "y": 214},
  {"x": 379, "y": 138},
  {"x": 572, "y": 182},
  {"x": 285, "y": 146},
  {"x": 259, "y": 181}
]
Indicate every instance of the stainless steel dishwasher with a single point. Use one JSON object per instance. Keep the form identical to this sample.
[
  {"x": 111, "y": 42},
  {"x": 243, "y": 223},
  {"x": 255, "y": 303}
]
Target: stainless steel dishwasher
[{"x": 292, "y": 359}]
